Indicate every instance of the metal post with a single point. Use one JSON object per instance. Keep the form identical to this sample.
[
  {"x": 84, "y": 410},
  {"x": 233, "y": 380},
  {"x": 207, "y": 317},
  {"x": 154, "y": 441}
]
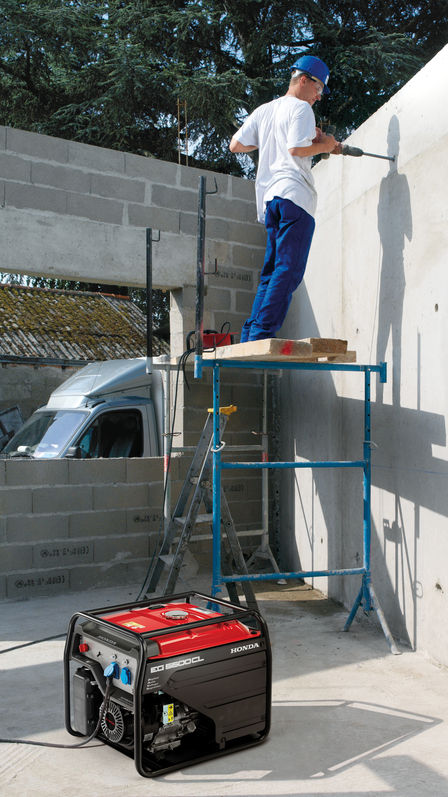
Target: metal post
[
  {"x": 216, "y": 585},
  {"x": 367, "y": 484},
  {"x": 200, "y": 269},
  {"x": 167, "y": 446},
  {"x": 148, "y": 300}
]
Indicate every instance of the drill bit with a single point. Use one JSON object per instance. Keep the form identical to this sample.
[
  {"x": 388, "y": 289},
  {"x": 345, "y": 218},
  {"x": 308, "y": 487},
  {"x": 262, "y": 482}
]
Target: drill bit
[{"x": 356, "y": 152}]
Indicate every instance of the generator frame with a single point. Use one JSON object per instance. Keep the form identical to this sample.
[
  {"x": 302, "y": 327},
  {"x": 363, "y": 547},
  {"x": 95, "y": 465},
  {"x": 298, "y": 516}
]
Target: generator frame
[{"x": 139, "y": 640}]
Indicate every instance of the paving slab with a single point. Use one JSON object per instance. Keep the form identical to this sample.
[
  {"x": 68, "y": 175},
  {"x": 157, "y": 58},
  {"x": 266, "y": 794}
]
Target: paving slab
[{"x": 348, "y": 718}]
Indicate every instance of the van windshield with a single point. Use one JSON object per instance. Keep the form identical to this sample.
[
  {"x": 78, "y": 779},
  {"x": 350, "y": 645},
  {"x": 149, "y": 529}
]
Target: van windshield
[{"x": 45, "y": 434}]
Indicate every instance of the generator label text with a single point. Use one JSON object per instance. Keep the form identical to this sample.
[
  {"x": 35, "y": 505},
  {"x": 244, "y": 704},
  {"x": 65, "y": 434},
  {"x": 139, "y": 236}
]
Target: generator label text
[
  {"x": 243, "y": 648},
  {"x": 178, "y": 663}
]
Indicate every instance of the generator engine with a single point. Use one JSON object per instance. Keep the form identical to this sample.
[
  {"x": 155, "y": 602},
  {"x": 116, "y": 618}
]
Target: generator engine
[{"x": 171, "y": 681}]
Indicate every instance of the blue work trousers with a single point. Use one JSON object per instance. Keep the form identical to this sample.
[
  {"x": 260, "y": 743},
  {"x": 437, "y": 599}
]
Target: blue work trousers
[{"x": 290, "y": 231}]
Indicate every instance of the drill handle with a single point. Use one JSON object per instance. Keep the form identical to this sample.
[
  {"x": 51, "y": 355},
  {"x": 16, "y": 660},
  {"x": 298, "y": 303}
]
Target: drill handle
[{"x": 355, "y": 152}]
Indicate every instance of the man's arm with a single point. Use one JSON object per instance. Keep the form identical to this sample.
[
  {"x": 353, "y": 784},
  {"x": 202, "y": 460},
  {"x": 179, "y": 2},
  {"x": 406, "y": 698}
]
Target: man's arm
[
  {"x": 322, "y": 143},
  {"x": 236, "y": 146}
]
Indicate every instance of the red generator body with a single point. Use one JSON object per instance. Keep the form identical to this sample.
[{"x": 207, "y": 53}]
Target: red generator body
[{"x": 175, "y": 680}]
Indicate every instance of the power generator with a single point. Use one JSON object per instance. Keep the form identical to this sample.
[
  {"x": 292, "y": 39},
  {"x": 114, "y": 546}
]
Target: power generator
[{"x": 170, "y": 681}]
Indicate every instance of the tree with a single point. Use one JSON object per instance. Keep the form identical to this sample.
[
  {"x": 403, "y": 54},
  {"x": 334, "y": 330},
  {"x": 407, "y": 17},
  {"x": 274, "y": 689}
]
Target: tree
[{"x": 109, "y": 72}]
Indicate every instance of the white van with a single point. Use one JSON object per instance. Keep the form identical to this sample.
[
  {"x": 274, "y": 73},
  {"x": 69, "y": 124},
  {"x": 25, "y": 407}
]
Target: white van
[{"x": 107, "y": 409}]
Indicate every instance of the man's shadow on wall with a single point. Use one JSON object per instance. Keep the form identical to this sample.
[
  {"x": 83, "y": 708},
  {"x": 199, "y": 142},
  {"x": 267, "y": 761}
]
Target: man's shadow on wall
[
  {"x": 404, "y": 464},
  {"x": 394, "y": 226}
]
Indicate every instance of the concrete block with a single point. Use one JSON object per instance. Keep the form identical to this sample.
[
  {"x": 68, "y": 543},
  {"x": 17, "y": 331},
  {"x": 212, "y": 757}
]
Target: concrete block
[
  {"x": 14, "y": 168},
  {"x": 118, "y": 187},
  {"x": 162, "y": 219},
  {"x": 248, "y": 234},
  {"x": 233, "y": 278},
  {"x": 135, "y": 573},
  {"x": 67, "y": 498},
  {"x": 65, "y": 177},
  {"x": 120, "y": 496},
  {"x": 218, "y": 298},
  {"x": 2, "y": 193},
  {"x": 96, "y": 471},
  {"x": 233, "y": 209},
  {"x": 19, "y": 195},
  {"x": 241, "y": 188},
  {"x": 244, "y": 302},
  {"x": 147, "y": 469},
  {"x": 152, "y": 169},
  {"x": 98, "y": 523},
  {"x": 37, "y": 583},
  {"x": 112, "y": 549},
  {"x": 37, "y": 145},
  {"x": 221, "y": 229},
  {"x": 15, "y": 557},
  {"x": 29, "y": 527},
  {"x": 188, "y": 223},
  {"x": 250, "y": 257},
  {"x": 249, "y": 514},
  {"x": 15, "y": 500},
  {"x": 90, "y": 207},
  {"x": 2, "y": 472},
  {"x": 2, "y": 587},
  {"x": 167, "y": 197},
  {"x": 143, "y": 520},
  {"x": 42, "y": 472},
  {"x": 98, "y": 158},
  {"x": 62, "y": 553},
  {"x": 2, "y": 137}
]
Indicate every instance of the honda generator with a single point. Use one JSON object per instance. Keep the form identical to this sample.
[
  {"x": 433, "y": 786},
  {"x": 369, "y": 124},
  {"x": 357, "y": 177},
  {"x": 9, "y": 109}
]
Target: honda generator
[{"x": 169, "y": 682}]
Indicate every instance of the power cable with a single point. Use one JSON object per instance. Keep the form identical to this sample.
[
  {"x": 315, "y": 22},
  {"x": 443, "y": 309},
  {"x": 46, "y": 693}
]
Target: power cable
[{"x": 70, "y": 746}]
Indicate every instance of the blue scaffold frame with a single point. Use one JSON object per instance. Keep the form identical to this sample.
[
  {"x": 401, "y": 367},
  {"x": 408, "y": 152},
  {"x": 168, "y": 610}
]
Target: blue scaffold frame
[{"x": 366, "y": 597}]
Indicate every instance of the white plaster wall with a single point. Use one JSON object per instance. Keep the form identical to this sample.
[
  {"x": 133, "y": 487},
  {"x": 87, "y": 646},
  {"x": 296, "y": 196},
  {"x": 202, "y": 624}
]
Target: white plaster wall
[{"x": 377, "y": 277}]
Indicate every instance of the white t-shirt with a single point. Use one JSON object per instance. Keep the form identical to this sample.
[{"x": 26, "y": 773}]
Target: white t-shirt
[{"x": 274, "y": 128}]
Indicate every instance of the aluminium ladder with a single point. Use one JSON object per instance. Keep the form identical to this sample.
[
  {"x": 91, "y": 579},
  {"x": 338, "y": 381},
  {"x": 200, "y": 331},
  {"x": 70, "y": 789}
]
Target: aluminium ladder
[{"x": 198, "y": 487}]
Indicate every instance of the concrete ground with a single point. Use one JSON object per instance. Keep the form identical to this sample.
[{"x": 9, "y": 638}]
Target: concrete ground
[{"x": 348, "y": 718}]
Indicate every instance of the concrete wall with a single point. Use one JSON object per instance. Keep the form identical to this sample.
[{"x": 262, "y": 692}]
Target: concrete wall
[
  {"x": 377, "y": 276},
  {"x": 78, "y": 524}
]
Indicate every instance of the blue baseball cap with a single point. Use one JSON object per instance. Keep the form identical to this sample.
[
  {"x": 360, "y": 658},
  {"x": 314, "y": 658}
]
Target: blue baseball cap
[{"x": 315, "y": 68}]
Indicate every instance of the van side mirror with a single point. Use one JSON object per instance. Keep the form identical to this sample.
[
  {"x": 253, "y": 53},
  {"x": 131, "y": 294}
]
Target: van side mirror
[{"x": 74, "y": 452}]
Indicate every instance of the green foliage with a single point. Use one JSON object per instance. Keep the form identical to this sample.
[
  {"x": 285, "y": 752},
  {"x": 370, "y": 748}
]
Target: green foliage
[{"x": 109, "y": 72}]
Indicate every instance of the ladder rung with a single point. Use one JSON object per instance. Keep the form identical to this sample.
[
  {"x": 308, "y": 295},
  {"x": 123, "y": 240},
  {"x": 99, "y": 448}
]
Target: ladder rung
[
  {"x": 167, "y": 559},
  {"x": 207, "y": 518}
]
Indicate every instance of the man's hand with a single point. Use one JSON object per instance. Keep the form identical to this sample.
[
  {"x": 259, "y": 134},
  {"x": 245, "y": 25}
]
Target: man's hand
[
  {"x": 327, "y": 143},
  {"x": 337, "y": 150}
]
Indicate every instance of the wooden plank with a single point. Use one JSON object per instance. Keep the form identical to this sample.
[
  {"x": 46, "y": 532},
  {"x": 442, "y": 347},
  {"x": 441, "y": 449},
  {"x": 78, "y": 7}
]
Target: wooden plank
[
  {"x": 328, "y": 345},
  {"x": 347, "y": 357},
  {"x": 267, "y": 349},
  {"x": 280, "y": 349}
]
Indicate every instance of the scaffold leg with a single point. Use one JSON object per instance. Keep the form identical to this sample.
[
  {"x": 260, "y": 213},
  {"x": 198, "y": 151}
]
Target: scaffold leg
[{"x": 367, "y": 598}]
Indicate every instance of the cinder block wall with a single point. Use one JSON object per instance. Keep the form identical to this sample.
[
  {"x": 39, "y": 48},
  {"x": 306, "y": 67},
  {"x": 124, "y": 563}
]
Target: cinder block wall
[
  {"x": 29, "y": 386},
  {"x": 77, "y": 524},
  {"x": 76, "y": 211}
]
